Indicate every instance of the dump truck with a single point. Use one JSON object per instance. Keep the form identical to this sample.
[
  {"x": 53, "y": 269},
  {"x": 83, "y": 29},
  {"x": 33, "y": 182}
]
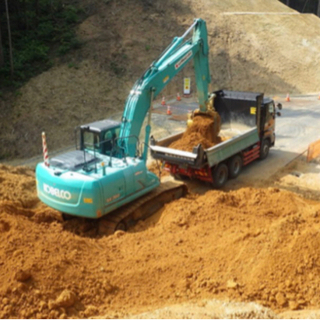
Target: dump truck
[{"x": 248, "y": 131}]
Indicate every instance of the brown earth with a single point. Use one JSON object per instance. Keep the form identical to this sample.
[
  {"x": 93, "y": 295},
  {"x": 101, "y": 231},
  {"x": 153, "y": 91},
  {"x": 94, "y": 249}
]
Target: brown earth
[
  {"x": 156, "y": 168},
  {"x": 201, "y": 131},
  {"x": 254, "y": 45},
  {"x": 246, "y": 245},
  {"x": 301, "y": 177}
]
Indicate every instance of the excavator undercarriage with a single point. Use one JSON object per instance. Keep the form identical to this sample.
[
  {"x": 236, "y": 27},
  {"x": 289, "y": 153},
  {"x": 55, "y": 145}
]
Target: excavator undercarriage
[{"x": 142, "y": 208}]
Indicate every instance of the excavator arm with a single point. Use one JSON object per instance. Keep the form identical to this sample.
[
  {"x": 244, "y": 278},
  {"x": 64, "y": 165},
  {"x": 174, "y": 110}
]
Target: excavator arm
[{"x": 158, "y": 75}]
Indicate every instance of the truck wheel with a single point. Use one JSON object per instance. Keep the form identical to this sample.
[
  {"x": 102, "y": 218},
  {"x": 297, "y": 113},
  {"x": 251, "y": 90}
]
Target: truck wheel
[
  {"x": 220, "y": 175},
  {"x": 264, "y": 149},
  {"x": 235, "y": 166}
]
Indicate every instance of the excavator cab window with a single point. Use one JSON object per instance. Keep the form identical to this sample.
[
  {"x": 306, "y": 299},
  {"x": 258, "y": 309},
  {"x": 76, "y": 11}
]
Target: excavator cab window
[
  {"x": 109, "y": 140},
  {"x": 91, "y": 140}
]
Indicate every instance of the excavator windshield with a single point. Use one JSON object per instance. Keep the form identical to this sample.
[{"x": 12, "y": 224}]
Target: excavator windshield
[
  {"x": 104, "y": 142},
  {"x": 91, "y": 140}
]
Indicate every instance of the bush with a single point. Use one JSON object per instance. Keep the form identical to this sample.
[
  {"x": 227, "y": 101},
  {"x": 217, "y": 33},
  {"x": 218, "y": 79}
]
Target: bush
[{"x": 37, "y": 38}]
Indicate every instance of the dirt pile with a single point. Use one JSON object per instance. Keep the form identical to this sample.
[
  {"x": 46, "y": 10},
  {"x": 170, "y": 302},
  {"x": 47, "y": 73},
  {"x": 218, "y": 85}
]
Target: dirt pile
[
  {"x": 246, "y": 245},
  {"x": 201, "y": 131}
]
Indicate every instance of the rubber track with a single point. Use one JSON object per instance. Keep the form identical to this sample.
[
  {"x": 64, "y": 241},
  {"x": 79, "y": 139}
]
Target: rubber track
[{"x": 108, "y": 223}]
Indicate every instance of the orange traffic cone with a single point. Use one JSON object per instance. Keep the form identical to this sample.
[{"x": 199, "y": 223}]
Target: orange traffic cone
[
  {"x": 169, "y": 111},
  {"x": 178, "y": 97},
  {"x": 163, "y": 102},
  {"x": 288, "y": 98}
]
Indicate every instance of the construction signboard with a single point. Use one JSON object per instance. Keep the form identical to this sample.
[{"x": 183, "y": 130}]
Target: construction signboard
[{"x": 186, "y": 86}]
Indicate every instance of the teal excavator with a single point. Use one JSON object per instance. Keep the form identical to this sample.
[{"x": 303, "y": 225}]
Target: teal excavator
[{"x": 107, "y": 175}]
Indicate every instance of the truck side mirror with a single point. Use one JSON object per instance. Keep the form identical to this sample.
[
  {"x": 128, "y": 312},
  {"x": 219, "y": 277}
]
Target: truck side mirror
[
  {"x": 279, "y": 106},
  {"x": 279, "y": 114}
]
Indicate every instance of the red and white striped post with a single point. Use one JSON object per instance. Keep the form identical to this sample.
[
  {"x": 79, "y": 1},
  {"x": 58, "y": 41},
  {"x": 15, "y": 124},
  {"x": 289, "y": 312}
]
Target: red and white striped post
[{"x": 45, "y": 150}]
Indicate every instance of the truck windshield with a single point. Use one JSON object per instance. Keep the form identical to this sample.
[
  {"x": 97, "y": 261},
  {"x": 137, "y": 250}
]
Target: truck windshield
[
  {"x": 91, "y": 140},
  {"x": 271, "y": 108}
]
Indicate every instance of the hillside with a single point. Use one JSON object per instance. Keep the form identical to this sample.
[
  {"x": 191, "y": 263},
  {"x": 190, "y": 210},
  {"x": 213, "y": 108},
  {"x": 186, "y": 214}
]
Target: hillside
[{"x": 268, "y": 47}]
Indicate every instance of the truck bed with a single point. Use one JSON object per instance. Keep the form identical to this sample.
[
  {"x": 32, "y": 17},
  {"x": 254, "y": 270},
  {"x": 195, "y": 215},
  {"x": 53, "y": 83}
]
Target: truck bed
[
  {"x": 240, "y": 114},
  {"x": 238, "y": 140}
]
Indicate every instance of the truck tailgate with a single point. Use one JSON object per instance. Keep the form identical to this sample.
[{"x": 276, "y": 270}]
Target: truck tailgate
[{"x": 159, "y": 150}]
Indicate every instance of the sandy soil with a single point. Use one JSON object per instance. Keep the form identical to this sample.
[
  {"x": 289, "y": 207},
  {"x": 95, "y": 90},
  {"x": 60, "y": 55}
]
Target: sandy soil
[
  {"x": 259, "y": 52},
  {"x": 301, "y": 177},
  {"x": 201, "y": 131},
  {"x": 247, "y": 245}
]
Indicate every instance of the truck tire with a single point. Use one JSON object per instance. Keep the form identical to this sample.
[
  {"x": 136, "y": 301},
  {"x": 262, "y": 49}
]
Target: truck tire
[
  {"x": 235, "y": 166},
  {"x": 220, "y": 175},
  {"x": 264, "y": 149}
]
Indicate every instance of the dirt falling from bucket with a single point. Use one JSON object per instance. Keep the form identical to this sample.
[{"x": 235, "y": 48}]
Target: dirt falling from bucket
[{"x": 202, "y": 131}]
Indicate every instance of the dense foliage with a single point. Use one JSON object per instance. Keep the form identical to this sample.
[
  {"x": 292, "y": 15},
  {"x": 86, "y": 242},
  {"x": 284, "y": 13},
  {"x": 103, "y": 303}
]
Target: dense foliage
[
  {"x": 305, "y": 6},
  {"x": 40, "y": 31}
]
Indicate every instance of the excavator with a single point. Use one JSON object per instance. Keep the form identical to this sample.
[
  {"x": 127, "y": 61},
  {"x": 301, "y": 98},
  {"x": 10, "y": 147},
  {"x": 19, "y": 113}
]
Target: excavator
[{"x": 106, "y": 177}]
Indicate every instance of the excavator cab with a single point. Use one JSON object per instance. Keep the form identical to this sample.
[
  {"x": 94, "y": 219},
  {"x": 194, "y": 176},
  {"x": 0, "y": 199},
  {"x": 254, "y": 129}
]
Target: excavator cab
[{"x": 100, "y": 136}]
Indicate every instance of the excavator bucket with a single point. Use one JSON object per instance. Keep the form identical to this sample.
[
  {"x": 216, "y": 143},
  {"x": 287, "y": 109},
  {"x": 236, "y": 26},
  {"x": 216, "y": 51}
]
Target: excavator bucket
[{"x": 208, "y": 112}]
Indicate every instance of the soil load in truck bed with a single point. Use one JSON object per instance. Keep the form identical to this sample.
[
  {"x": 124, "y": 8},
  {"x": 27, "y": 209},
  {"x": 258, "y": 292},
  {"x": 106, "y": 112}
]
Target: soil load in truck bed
[{"x": 200, "y": 132}]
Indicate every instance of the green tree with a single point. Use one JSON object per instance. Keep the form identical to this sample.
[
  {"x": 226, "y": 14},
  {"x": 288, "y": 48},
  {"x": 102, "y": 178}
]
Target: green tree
[
  {"x": 10, "y": 39},
  {"x": 304, "y": 6},
  {"x": 1, "y": 49},
  {"x": 33, "y": 34}
]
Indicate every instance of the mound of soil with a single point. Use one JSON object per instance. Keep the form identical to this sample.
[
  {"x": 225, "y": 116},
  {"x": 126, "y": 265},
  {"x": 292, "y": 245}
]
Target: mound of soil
[
  {"x": 247, "y": 245},
  {"x": 201, "y": 131}
]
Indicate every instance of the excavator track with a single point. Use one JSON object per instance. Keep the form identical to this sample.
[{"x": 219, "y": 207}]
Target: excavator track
[{"x": 142, "y": 208}]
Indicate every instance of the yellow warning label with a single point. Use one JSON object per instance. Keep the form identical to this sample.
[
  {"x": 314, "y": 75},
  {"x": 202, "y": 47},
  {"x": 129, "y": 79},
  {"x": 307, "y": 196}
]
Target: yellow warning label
[
  {"x": 165, "y": 79},
  {"x": 253, "y": 110}
]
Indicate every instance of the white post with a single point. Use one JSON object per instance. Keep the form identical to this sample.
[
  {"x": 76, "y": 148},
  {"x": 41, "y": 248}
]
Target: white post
[{"x": 45, "y": 150}]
